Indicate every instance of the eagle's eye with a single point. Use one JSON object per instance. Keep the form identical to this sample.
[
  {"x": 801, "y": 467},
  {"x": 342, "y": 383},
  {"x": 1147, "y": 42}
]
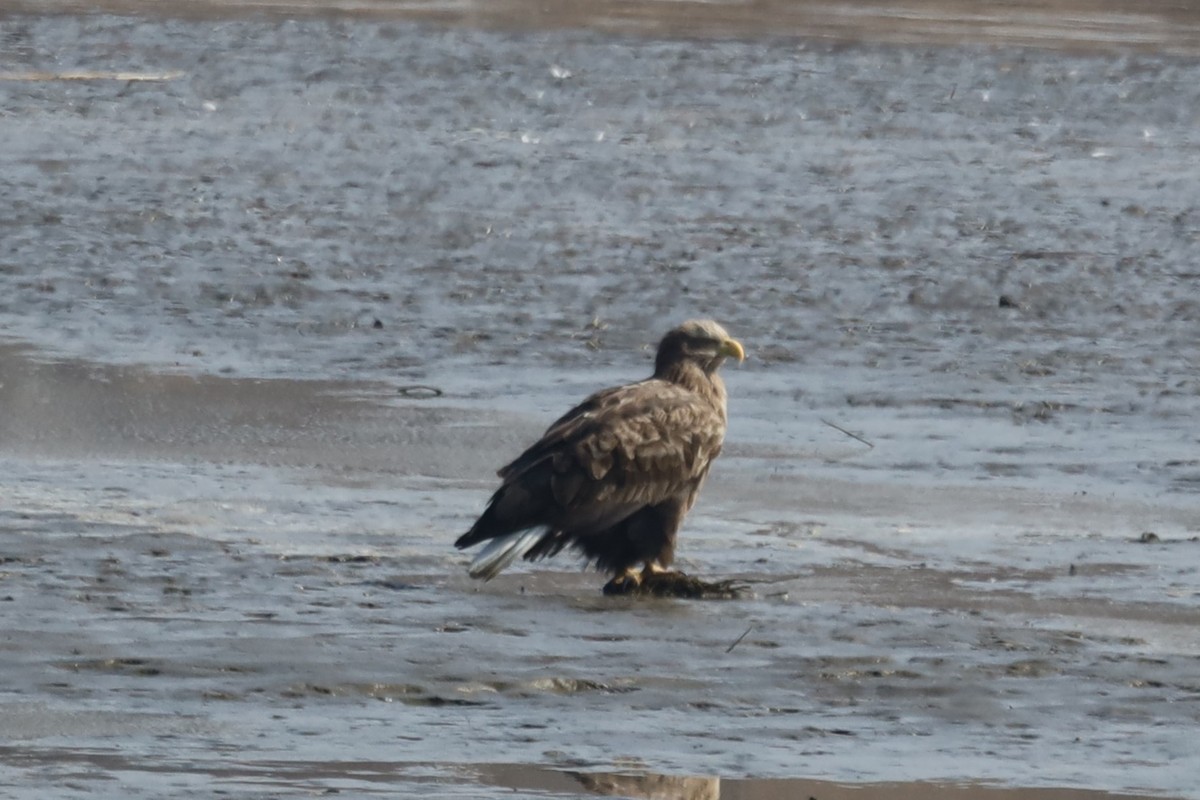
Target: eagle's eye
[{"x": 704, "y": 346}]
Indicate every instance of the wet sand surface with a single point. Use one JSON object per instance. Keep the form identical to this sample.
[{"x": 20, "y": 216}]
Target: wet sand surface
[{"x": 279, "y": 294}]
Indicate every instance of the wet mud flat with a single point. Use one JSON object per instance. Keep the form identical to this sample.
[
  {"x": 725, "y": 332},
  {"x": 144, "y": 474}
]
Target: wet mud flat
[
  {"x": 234, "y": 246},
  {"x": 287, "y": 618}
]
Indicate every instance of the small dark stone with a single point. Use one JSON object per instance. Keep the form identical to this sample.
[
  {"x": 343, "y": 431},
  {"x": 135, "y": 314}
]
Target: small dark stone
[
  {"x": 377, "y": 324},
  {"x": 1008, "y": 302},
  {"x": 1149, "y": 537}
]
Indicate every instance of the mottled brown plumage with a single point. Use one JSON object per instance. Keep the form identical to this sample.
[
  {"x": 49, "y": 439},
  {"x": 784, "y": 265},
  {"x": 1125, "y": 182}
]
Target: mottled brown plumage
[{"x": 614, "y": 477}]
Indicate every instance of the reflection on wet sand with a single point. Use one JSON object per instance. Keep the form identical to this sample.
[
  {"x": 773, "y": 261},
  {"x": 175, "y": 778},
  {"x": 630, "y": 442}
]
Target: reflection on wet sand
[
  {"x": 649, "y": 786},
  {"x": 633, "y": 784},
  {"x": 1161, "y": 24}
]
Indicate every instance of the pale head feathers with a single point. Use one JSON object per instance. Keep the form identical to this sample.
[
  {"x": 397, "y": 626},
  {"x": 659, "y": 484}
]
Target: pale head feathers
[{"x": 700, "y": 341}]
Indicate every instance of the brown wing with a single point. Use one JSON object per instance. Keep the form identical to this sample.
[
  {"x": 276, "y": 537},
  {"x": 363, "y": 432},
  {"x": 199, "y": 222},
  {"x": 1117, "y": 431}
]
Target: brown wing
[
  {"x": 619, "y": 451},
  {"x": 635, "y": 445},
  {"x": 561, "y": 428}
]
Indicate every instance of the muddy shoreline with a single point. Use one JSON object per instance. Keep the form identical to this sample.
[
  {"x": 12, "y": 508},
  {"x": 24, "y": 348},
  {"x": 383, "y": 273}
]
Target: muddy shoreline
[{"x": 225, "y": 609}]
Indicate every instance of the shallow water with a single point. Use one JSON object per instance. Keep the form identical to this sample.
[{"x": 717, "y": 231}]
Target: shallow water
[{"x": 225, "y": 552}]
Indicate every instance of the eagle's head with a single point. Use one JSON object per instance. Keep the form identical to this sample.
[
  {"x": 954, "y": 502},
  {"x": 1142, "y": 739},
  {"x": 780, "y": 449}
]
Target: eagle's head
[{"x": 700, "y": 341}]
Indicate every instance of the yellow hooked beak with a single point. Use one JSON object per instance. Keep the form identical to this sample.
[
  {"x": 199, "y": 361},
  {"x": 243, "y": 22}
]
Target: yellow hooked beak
[{"x": 733, "y": 348}]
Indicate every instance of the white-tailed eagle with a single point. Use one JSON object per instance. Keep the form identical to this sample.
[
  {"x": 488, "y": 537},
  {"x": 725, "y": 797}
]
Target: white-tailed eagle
[{"x": 614, "y": 477}]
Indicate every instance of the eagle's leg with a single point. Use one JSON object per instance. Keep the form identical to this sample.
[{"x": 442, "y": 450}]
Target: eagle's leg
[
  {"x": 653, "y": 568},
  {"x": 628, "y": 581},
  {"x": 632, "y": 581}
]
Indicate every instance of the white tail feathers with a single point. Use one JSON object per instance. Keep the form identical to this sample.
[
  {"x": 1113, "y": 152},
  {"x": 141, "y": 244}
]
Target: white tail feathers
[{"x": 502, "y": 551}]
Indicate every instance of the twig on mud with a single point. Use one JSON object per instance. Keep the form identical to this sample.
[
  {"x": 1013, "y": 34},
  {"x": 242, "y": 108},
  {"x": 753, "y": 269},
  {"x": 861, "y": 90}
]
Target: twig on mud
[
  {"x": 848, "y": 433},
  {"x": 738, "y": 640},
  {"x": 419, "y": 392}
]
